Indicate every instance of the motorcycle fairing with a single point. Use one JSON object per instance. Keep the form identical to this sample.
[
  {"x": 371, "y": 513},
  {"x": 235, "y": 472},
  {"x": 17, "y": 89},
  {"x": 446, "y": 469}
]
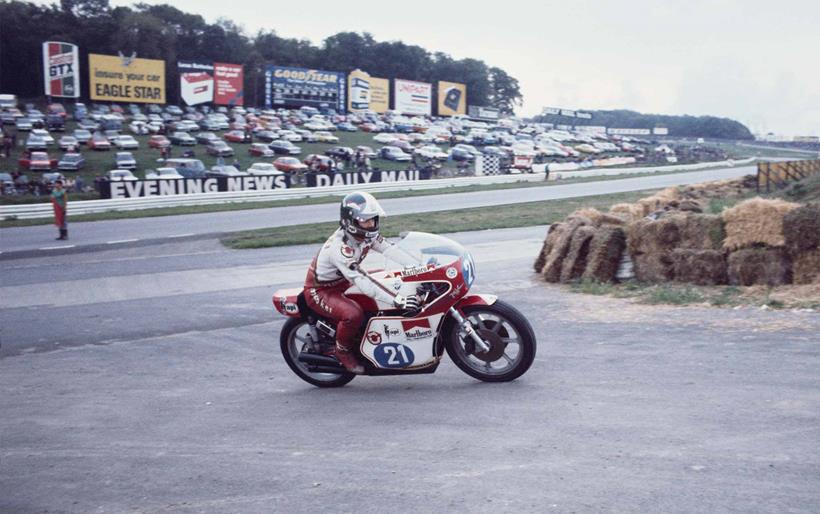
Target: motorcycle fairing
[{"x": 399, "y": 343}]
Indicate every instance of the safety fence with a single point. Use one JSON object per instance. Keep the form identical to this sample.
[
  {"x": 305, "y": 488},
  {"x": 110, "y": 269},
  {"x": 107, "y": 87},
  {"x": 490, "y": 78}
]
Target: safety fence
[{"x": 775, "y": 175}]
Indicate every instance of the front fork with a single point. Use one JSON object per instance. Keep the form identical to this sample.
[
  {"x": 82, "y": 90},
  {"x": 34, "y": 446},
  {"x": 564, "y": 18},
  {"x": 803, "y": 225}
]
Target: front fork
[{"x": 468, "y": 329}]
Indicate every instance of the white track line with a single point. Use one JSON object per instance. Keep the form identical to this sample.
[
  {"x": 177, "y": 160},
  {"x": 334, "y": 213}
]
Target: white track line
[
  {"x": 179, "y": 235},
  {"x": 121, "y": 241},
  {"x": 57, "y": 247}
]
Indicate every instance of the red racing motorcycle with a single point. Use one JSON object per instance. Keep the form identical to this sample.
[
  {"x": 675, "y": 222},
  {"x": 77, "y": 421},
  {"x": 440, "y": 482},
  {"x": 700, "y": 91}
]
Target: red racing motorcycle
[{"x": 485, "y": 337}]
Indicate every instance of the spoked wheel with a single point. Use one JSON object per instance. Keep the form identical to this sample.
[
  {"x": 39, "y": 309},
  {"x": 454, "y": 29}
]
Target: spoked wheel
[
  {"x": 506, "y": 331},
  {"x": 293, "y": 341}
]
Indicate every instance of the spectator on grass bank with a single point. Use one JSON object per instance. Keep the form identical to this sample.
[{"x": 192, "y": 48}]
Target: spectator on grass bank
[{"x": 59, "y": 200}]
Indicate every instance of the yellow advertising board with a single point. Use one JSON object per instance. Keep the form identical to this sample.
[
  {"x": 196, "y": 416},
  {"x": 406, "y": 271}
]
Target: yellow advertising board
[
  {"x": 126, "y": 79},
  {"x": 367, "y": 93},
  {"x": 452, "y": 98}
]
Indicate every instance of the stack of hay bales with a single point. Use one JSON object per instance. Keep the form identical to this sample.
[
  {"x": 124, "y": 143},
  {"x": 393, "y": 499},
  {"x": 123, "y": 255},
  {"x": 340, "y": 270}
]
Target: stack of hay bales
[
  {"x": 680, "y": 246},
  {"x": 756, "y": 240},
  {"x": 588, "y": 244},
  {"x": 801, "y": 228}
]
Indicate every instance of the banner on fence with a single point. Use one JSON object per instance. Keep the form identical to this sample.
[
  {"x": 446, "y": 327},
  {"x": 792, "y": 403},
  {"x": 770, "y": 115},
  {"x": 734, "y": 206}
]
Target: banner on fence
[
  {"x": 361, "y": 177},
  {"x": 190, "y": 186},
  {"x": 61, "y": 69}
]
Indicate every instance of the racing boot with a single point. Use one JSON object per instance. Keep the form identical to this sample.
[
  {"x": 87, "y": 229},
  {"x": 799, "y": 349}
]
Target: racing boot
[{"x": 348, "y": 360}]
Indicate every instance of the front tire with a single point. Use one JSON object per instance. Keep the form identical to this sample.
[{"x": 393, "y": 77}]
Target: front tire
[
  {"x": 293, "y": 341},
  {"x": 509, "y": 334}
]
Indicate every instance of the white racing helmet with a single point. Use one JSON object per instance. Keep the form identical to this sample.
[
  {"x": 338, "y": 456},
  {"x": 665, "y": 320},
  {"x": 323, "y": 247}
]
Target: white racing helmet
[{"x": 357, "y": 207}]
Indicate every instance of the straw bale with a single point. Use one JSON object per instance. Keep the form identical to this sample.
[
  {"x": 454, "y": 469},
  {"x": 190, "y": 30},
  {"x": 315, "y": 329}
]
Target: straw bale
[
  {"x": 559, "y": 246},
  {"x": 807, "y": 267},
  {"x": 576, "y": 259},
  {"x": 763, "y": 266},
  {"x": 801, "y": 229},
  {"x": 605, "y": 252},
  {"x": 598, "y": 218},
  {"x": 545, "y": 248},
  {"x": 756, "y": 221},
  {"x": 702, "y": 267},
  {"x": 700, "y": 231},
  {"x": 650, "y": 243}
]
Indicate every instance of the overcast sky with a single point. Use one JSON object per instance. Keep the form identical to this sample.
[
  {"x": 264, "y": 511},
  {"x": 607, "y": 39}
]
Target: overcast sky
[{"x": 754, "y": 61}]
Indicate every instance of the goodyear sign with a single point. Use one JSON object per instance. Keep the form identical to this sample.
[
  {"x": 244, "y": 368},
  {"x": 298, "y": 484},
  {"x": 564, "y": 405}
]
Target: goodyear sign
[
  {"x": 452, "y": 98},
  {"x": 367, "y": 93},
  {"x": 301, "y": 86},
  {"x": 126, "y": 79}
]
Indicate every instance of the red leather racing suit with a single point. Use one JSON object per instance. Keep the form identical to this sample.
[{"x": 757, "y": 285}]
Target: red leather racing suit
[{"x": 332, "y": 272}]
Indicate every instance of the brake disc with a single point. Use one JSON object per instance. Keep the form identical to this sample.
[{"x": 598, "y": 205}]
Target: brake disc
[{"x": 497, "y": 346}]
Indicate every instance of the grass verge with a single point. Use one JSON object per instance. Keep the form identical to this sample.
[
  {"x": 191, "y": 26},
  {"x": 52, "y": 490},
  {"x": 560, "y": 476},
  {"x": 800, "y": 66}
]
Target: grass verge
[
  {"x": 480, "y": 218},
  {"x": 671, "y": 293}
]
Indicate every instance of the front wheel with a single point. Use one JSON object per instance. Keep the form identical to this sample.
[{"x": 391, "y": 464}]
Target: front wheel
[
  {"x": 506, "y": 331},
  {"x": 293, "y": 341}
]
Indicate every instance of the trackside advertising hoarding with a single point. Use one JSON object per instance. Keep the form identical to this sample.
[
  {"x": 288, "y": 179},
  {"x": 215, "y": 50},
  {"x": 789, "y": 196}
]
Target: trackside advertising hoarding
[
  {"x": 452, "y": 98},
  {"x": 362, "y": 177},
  {"x": 228, "y": 87},
  {"x": 61, "y": 69},
  {"x": 119, "y": 78},
  {"x": 414, "y": 98},
  {"x": 367, "y": 93},
  {"x": 189, "y": 186},
  {"x": 297, "y": 87},
  {"x": 478, "y": 112},
  {"x": 196, "y": 82}
]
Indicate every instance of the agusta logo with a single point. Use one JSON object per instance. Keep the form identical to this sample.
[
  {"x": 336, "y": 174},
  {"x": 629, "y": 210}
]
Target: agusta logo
[
  {"x": 417, "y": 328},
  {"x": 374, "y": 338}
]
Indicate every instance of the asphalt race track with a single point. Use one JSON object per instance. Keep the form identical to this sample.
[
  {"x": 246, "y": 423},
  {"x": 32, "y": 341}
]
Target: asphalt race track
[
  {"x": 149, "y": 379},
  {"x": 34, "y": 240}
]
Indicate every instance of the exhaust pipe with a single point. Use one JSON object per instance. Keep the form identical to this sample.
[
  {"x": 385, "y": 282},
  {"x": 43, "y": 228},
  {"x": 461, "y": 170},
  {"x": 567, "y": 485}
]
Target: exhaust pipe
[
  {"x": 323, "y": 361},
  {"x": 336, "y": 370}
]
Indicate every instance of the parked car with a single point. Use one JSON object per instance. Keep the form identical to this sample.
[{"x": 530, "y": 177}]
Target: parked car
[
  {"x": 284, "y": 147},
  {"x": 463, "y": 152},
  {"x": 126, "y": 142},
  {"x": 34, "y": 142},
  {"x": 367, "y": 151},
  {"x": 432, "y": 152},
  {"x": 22, "y": 124},
  {"x": 219, "y": 148},
  {"x": 37, "y": 161},
  {"x": 43, "y": 134},
  {"x": 326, "y": 137},
  {"x": 163, "y": 174},
  {"x": 385, "y": 138},
  {"x": 188, "y": 168},
  {"x": 139, "y": 127},
  {"x": 237, "y": 136},
  {"x": 182, "y": 139},
  {"x": 226, "y": 171},
  {"x": 99, "y": 142},
  {"x": 205, "y": 138},
  {"x": 120, "y": 176},
  {"x": 82, "y": 135},
  {"x": 289, "y": 165},
  {"x": 67, "y": 142},
  {"x": 347, "y": 127},
  {"x": 260, "y": 150},
  {"x": 292, "y": 136},
  {"x": 52, "y": 177},
  {"x": 319, "y": 162},
  {"x": 7, "y": 186},
  {"x": 71, "y": 162},
  {"x": 340, "y": 152},
  {"x": 125, "y": 161},
  {"x": 392, "y": 153},
  {"x": 263, "y": 168},
  {"x": 158, "y": 141}
]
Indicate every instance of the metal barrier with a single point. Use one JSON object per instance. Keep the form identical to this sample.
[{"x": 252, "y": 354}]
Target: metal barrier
[
  {"x": 44, "y": 210},
  {"x": 779, "y": 174}
]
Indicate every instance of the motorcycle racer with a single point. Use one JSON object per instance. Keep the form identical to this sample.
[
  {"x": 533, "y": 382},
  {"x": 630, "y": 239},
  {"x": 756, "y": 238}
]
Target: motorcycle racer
[{"x": 336, "y": 267}]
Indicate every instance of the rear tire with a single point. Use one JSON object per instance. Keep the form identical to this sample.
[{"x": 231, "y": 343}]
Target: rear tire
[
  {"x": 503, "y": 327},
  {"x": 292, "y": 341}
]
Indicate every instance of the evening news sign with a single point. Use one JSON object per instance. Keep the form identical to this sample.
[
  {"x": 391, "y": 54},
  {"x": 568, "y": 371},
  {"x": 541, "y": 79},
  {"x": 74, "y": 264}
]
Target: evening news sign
[{"x": 191, "y": 186}]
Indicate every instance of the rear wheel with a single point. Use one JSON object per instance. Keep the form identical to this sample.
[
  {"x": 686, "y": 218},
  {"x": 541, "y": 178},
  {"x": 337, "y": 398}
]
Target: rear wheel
[
  {"x": 293, "y": 341},
  {"x": 506, "y": 331}
]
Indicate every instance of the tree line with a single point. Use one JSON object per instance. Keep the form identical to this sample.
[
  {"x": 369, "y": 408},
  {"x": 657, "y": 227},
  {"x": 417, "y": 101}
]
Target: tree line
[
  {"x": 683, "y": 126},
  {"x": 165, "y": 32}
]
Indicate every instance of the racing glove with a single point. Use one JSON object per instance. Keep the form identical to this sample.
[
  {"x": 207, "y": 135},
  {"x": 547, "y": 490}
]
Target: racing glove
[{"x": 408, "y": 303}]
